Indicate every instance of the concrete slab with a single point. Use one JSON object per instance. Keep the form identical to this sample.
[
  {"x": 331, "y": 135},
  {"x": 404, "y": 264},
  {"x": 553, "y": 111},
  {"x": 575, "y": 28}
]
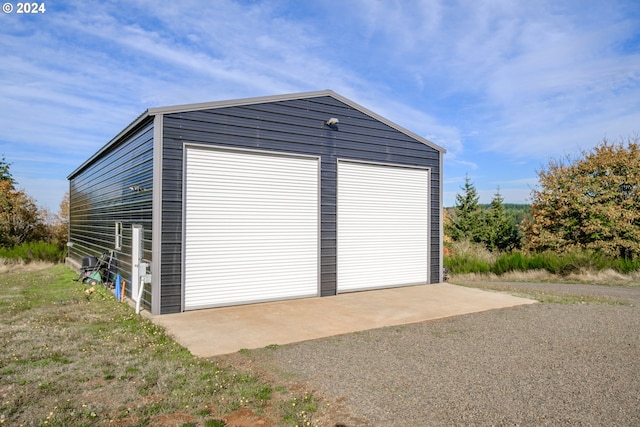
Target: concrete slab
[{"x": 225, "y": 330}]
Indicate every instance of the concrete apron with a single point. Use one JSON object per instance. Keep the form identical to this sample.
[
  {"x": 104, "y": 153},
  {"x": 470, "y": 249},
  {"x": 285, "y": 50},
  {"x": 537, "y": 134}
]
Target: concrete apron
[{"x": 216, "y": 331}]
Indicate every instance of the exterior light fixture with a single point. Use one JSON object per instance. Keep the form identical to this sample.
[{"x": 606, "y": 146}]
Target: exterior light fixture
[{"x": 332, "y": 122}]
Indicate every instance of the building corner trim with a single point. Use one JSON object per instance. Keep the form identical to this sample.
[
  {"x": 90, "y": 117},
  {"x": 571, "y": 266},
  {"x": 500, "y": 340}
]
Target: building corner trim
[
  {"x": 441, "y": 217},
  {"x": 156, "y": 245}
]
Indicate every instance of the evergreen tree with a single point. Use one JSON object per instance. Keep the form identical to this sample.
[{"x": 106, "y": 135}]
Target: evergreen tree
[
  {"x": 467, "y": 221},
  {"x": 500, "y": 230}
]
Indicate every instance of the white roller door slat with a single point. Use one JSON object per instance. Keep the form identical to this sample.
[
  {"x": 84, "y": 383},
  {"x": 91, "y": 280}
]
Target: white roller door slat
[
  {"x": 382, "y": 226},
  {"x": 251, "y": 230}
]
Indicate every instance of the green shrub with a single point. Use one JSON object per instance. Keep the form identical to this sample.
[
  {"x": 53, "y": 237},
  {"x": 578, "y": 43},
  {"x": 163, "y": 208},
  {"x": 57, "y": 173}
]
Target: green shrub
[
  {"x": 514, "y": 261},
  {"x": 550, "y": 261},
  {"x": 33, "y": 251},
  {"x": 474, "y": 259},
  {"x": 625, "y": 266},
  {"x": 543, "y": 261},
  {"x": 547, "y": 260},
  {"x": 463, "y": 264}
]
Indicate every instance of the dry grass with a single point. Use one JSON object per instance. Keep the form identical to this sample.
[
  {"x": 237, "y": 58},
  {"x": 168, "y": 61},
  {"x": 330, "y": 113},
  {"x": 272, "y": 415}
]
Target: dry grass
[
  {"x": 472, "y": 250},
  {"x": 604, "y": 277},
  {"x": 72, "y": 355},
  {"x": 12, "y": 266}
]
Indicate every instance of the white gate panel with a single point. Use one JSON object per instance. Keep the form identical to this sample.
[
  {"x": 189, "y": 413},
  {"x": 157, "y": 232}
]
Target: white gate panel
[
  {"x": 251, "y": 227},
  {"x": 383, "y": 226}
]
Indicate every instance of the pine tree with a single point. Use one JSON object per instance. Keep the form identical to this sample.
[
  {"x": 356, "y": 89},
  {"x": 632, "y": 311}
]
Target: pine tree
[
  {"x": 500, "y": 231},
  {"x": 467, "y": 222}
]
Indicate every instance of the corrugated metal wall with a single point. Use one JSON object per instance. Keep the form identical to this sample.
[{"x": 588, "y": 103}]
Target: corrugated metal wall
[
  {"x": 293, "y": 126},
  {"x": 100, "y": 197}
]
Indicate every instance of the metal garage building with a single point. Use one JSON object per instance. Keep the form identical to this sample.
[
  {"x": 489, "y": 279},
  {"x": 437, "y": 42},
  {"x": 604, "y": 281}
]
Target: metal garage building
[{"x": 261, "y": 199}]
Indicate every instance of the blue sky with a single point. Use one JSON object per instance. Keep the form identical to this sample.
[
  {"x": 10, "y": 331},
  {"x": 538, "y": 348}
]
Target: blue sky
[{"x": 503, "y": 85}]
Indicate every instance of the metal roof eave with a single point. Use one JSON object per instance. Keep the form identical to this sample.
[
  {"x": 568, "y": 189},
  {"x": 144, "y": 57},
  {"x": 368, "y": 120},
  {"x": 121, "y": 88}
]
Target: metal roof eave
[
  {"x": 140, "y": 119},
  {"x": 237, "y": 102},
  {"x": 388, "y": 122},
  {"x": 287, "y": 97}
]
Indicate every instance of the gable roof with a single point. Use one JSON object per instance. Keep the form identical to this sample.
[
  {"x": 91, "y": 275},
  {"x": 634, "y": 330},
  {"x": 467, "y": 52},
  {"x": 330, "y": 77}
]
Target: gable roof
[
  {"x": 288, "y": 97},
  {"x": 152, "y": 112}
]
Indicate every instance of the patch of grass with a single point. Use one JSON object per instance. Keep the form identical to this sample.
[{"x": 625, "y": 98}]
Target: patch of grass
[
  {"x": 466, "y": 264},
  {"x": 298, "y": 410},
  {"x": 75, "y": 358},
  {"x": 34, "y": 251}
]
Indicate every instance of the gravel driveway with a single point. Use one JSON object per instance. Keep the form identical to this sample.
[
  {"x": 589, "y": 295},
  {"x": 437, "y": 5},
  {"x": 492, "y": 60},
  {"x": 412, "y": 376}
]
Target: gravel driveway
[{"x": 541, "y": 364}]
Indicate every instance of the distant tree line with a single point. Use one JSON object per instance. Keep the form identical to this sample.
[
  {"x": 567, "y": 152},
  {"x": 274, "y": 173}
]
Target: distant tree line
[
  {"x": 587, "y": 203},
  {"x": 495, "y": 225}
]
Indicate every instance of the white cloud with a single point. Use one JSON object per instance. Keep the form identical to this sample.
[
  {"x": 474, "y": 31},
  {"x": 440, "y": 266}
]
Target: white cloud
[
  {"x": 538, "y": 78},
  {"x": 568, "y": 84},
  {"x": 527, "y": 80}
]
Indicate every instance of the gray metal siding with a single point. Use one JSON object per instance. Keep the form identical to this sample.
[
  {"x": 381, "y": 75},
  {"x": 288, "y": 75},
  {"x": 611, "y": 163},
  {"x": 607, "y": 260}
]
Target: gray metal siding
[
  {"x": 100, "y": 196},
  {"x": 292, "y": 126},
  {"x": 171, "y": 268}
]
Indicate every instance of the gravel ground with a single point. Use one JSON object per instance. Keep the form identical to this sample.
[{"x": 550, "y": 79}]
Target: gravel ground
[{"x": 541, "y": 364}]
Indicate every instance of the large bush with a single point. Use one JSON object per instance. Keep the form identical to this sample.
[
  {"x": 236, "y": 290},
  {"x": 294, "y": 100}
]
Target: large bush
[
  {"x": 27, "y": 232},
  {"x": 590, "y": 203},
  {"x": 20, "y": 219}
]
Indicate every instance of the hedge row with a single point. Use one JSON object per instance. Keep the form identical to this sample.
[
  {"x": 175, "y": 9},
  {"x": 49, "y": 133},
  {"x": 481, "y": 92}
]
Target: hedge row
[
  {"x": 33, "y": 251},
  {"x": 561, "y": 264}
]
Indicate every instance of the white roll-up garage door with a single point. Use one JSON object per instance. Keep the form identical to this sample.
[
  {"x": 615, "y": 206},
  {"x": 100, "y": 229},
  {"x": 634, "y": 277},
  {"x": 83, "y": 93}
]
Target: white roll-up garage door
[
  {"x": 251, "y": 227},
  {"x": 382, "y": 226}
]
